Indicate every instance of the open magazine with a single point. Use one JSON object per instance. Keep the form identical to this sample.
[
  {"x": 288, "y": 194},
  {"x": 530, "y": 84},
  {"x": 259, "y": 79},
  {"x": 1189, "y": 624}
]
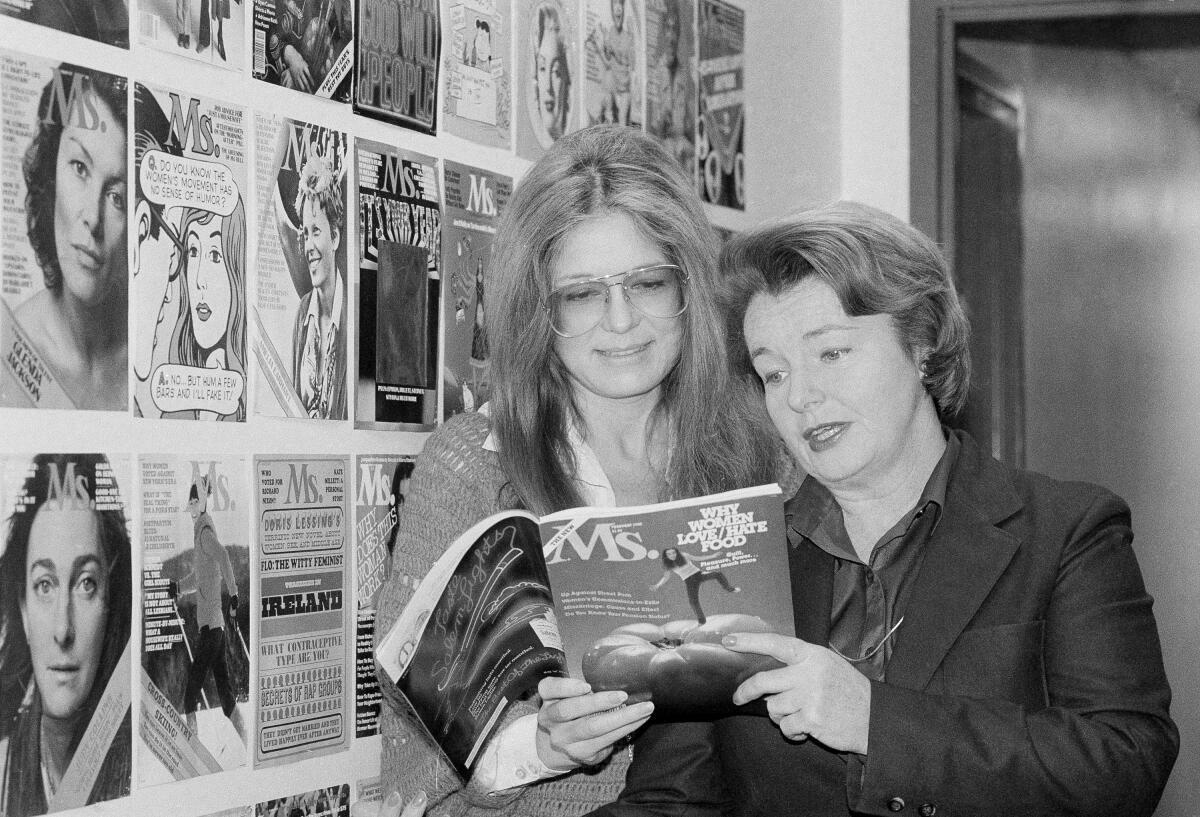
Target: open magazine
[{"x": 634, "y": 598}]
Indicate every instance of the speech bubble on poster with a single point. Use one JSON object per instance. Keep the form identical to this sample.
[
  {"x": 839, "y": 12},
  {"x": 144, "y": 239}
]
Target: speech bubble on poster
[
  {"x": 185, "y": 181},
  {"x": 176, "y": 387}
]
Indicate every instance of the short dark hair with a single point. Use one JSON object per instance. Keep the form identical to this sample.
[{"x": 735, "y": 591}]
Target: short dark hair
[
  {"x": 877, "y": 264},
  {"x": 41, "y": 158}
]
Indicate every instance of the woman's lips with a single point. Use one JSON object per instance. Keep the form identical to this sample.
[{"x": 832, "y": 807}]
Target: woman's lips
[
  {"x": 627, "y": 351},
  {"x": 203, "y": 312},
  {"x": 87, "y": 258},
  {"x": 825, "y": 436}
]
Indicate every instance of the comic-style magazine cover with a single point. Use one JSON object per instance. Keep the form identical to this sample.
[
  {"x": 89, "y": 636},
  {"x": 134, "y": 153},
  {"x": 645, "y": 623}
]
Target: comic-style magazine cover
[
  {"x": 189, "y": 260},
  {"x": 300, "y": 331},
  {"x": 65, "y": 529},
  {"x": 195, "y": 673},
  {"x": 399, "y": 285},
  {"x": 670, "y": 77},
  {"x": 64, "y": 294},
  {"x": 208, "y": 31},
  {"x": 614, "y": 62},
  {"x": 105, "y": 21},
  {"x": 477, "y": 102},
  {"x": 475, "y": 198},
  {"x": 381, "y": 481},
  {"x": 305, "y": 45},
  {"x": 333, "y": 801},
  {"x": 547, "y": 96},
  {"x": 720, "y": 138},
  {"x": 396, "y": 68}
]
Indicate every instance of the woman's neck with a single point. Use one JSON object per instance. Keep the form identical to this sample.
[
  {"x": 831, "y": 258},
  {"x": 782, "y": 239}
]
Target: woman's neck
[
  {"x": 56, "y": 735},
  {"x": 94, "y": 333},
  {"x": 632, "y": 452}
]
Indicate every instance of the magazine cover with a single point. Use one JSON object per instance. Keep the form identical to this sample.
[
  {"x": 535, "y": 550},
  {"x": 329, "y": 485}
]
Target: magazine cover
[
  {"x": 64, "y": 294},
  {"x": 66, "y": 565},
  {"x": 211, "y": 31},
  {"x": 304, "y": 696},
  {"x": 615, "y": 62},
  {"x": 399, "y": 285},
  {"x": 382, "y": 481},
  {"x": 106, "y": 21},
  {"x": 478, "y": 634},
  {"x": 644, "y": 594},
  {"x": 721, "y": 127},
  {"x": 189, "y": 279},
  {"x": 396, "y": 71},
  {"x": 300, "y": 332},
  {"x": 670, "y": 77},
  {"x": 477, "y": 103},
  {"x": 306, "y": 45},
  {"x": 546, "y": 75},
  {"x": 333, "y": 801},
  {"x": 195, "y": 674},
  {"x": 475, "y": 198}
]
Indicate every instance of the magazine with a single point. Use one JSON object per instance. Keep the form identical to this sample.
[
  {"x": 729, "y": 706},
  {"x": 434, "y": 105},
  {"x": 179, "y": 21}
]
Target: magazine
[
  {"x": 477, "y": 102},
  {"x": 670, "y": 77},
  {"x": 105, "y": 21},
  {"x": 720, "y": 152},
  {"x": 545, "y": 76},
  {"x": 195, "y": 674},
  {"x": 399, "y": 286},
  {"x": 189, "y": 270},
  {"x": 635, "y": 599},
  {"x": 614, "y": 61},
  {"x": 209, "y": 31},
  {"x": 64, "y": 529},
  {"x": 475, "y": 198},
  {"x": 300, "y": 332},
  {"x": 396, "y": 72},
  {"x": 64, "y": 270},
  {"x": 305, "y": 45}
]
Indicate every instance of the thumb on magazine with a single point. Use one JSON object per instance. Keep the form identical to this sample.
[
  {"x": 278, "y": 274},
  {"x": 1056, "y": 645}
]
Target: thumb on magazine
[{"x": 391, "y": 807}]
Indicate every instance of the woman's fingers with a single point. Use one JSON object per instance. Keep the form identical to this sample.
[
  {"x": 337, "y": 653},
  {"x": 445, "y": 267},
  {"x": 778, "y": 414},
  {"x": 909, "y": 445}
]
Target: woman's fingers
[{"x": 394, "y": 805}]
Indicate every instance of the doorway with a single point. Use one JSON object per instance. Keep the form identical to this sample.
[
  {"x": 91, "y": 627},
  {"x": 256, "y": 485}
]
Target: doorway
[{"x": 1056, "y": 157}]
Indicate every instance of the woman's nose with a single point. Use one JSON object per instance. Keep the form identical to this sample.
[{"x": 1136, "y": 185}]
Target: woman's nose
[
  {"x": 804, "y": 392},
  {"x": 619, "y": 314},
  {"x": 64, "y": 620}
]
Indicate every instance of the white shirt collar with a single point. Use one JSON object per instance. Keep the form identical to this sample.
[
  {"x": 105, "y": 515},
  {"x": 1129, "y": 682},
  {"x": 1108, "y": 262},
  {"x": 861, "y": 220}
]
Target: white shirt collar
[
  {"x": 589, "y": 478},
  {"x": 339, "y": 297}
]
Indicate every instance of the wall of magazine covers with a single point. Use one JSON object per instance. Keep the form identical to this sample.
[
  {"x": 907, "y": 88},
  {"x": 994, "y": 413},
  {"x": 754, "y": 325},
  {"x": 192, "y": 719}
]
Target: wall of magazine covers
[{"x": 242, "y": 200}]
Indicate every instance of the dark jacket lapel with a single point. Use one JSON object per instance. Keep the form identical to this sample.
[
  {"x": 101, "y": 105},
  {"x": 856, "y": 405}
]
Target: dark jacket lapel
[
  {"x": 812, "y": 589},
  {"x": 966, "y": 555}
]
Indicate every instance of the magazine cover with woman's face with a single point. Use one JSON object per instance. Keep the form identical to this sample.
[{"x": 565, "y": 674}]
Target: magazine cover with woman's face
[
  {"x": 65, "y": 610},
  {"x": 547, "y": 74},
  {"x": 189, "y": 258},
  {"x": 65, "y": 270}
]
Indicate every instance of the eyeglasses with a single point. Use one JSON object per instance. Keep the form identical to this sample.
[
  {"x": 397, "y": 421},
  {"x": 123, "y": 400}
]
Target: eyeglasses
[
  {"x": 871, "y": 652},
  {"x": 658, "y": 291}
]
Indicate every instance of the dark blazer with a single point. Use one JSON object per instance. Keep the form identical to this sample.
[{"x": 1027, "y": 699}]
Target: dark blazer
[{"x": 1027, "y": 677}]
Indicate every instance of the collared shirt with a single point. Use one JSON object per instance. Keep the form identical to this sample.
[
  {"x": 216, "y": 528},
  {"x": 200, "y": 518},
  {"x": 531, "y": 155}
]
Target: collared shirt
[
  {"x": 869, "y": 598},
  {"x": 315, "y": 388},
  {"x": 511, "y": 758}
]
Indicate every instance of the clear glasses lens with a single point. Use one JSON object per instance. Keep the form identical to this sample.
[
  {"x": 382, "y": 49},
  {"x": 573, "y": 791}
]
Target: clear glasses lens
[{"x": 658, "y": 292}]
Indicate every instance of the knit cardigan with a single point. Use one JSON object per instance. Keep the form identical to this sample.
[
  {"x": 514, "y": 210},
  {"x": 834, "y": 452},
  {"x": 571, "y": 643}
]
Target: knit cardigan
[{"x": 456, "y": 483}]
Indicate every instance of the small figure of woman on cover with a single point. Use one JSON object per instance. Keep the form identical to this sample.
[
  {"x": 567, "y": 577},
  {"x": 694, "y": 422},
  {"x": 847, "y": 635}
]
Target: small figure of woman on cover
[
  {"x": 211, "y": 330},
  {"x": 690, "y": 569},
  {"x": 65, "y": 593},
  {"x": 611, "y": 388}
]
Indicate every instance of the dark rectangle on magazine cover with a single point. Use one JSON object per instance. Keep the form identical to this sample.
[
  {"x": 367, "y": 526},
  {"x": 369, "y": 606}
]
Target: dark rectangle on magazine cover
[
  {"x": 485, "y": 613},
  {"x": 396, "y": 64},
  {"x": 402, "y": 343}
]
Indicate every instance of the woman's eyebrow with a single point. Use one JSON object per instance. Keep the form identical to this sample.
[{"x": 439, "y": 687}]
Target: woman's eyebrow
[{"x": 82, "y": 149}]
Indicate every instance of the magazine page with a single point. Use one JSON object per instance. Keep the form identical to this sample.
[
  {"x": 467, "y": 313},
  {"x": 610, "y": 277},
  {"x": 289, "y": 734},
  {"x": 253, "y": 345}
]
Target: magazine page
[
  {"x": 614, "y": 62},
  {"x": 670, "y": 79},
  {"x": 189, "y": 276},
  {"x": 106, "y": 21},
  {"x": 303, "y": 626},
  {"x": 306, "y": 46},
  {"x": 644, "y": 594},
  {"x": 332, "y": 801},
  {"x": 475, "y": 198},
  {"x": 381, "y": 484},
  {"x": 478, "y": 634},
  {"x": 195, "y": 674},
  {"x": 546, "y": 81},
  {"x": 300, "y": 330},
  {"x": 62, "y": 220},
  {"x": 399, "y": 285},
  {"x": 209, "y": 31},
  {"x": 721, "y": 128},
  {"x": 396, "y": 73},
  {"x": 477, "y": 102},
  {"x": 64, "y": 530}
]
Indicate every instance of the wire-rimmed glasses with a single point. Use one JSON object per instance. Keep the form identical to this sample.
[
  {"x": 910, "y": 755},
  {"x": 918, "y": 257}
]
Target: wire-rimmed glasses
[{"x": 657, "y": 291}]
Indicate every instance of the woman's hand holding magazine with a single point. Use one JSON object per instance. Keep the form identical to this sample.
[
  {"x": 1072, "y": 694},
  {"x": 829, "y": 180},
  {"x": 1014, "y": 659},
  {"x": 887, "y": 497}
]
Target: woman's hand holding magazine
[{"x": 577, "y": 727}]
